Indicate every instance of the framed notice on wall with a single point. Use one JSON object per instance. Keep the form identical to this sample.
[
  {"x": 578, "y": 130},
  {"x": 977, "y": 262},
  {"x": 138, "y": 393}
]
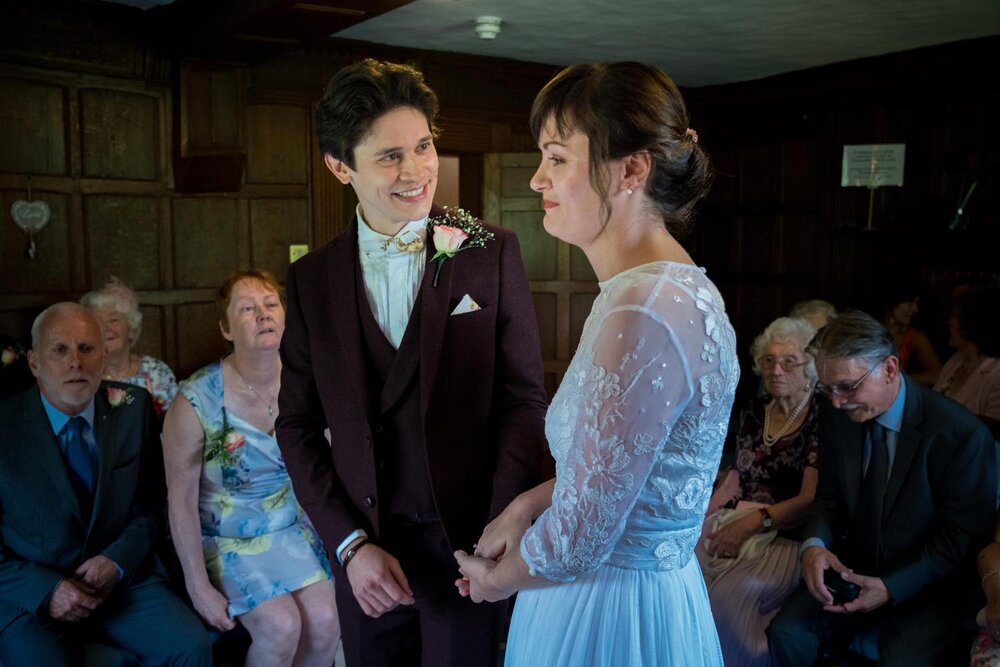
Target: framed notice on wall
[{"x": 872, "y": 165}]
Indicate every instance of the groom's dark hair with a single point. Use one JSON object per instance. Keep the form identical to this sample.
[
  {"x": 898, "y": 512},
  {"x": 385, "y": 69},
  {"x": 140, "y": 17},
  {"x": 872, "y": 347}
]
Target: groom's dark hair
[{"x": 359, "y": 94}]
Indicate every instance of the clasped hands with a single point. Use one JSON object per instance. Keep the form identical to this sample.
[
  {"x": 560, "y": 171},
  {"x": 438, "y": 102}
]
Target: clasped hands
[
  {"x": 501, "y": 537},
  {"x": 75, "y": 598},
  {"x": 816, "y": 560}
]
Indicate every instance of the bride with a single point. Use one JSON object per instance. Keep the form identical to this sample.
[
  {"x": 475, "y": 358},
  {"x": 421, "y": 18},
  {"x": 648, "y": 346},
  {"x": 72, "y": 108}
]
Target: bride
[{"x": 603, "y": 554}]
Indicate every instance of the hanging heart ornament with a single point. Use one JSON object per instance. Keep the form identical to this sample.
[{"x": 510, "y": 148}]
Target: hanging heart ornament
[{"x": 30, "y": 216}]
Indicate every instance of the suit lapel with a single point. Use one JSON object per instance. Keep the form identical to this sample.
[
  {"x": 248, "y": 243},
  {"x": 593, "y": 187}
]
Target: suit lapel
[
  {"x": 433, "y": 322},
  {"x": 854, "y": 449},
  {"x": 104, "y": 433},
  {"x": 343, "y": 288},
  {"x": 906, "y": 445},
  {"x": 47, "y": 451}
]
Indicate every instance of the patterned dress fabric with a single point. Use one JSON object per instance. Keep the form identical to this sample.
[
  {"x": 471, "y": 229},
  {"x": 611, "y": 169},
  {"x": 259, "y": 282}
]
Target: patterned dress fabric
[
  {"x": 746, "y": 592},
  {"x": 155, "y": 377},
  {"x": 636, "y": 430},
  {"x": 258, "y": 542}
]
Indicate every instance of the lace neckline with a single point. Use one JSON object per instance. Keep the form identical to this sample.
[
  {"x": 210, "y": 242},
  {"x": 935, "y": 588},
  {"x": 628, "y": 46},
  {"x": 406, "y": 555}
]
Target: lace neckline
[{"x": 662, "y": 263}]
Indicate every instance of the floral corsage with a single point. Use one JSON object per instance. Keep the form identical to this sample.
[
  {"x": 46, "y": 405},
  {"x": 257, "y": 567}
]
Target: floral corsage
[
  {"x": 120, "y": 396},
  {"x": 453, "y": 232},
  {"x": 225, "y": 447},
  {"x": 10, "y": 354}
]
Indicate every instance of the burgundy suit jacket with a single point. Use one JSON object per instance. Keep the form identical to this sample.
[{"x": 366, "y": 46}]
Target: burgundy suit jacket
[{"x": 480, "y": 381}]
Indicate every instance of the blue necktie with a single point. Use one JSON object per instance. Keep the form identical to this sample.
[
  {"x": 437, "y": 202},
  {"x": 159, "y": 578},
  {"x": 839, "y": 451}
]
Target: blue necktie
[
  {"x": 868, "y": 519},
  {"x": 81, "y": 463}
]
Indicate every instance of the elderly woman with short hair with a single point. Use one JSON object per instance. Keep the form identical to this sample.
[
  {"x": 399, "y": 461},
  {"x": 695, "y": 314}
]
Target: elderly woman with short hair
[
  {"x": 117, "y": 309},
  {"x": 749, "y": 562}
]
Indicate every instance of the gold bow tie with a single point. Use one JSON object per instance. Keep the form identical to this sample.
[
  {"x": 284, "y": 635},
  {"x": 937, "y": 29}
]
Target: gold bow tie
[{"x": 408, "y": 241}]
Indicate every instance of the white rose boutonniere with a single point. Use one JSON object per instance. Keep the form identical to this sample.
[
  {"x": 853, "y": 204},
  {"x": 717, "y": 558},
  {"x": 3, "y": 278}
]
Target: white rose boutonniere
[{"x": 453, "y": 232}]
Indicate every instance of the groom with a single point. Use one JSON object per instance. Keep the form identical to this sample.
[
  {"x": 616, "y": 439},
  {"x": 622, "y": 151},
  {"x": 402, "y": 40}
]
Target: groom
[{"x": 430, "y": 385}]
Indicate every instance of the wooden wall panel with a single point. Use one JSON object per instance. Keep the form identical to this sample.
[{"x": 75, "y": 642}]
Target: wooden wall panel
[
  {"x": 151, "y": 339},
  {"x": 45, "y": 273},
  {"x": 579, "y": 308},
  {"x": 538, "y": 249},
  {"x": 123, "y": 239},
  {"x": 32, "y": 127},
  {"x": 205, "y": 233},
  {"x": 277, "y": 144},
  {"x": 579, "y": 266},
  {"x": 121, "y": 134},
  {"x": 274, "y": 225},
  {"x": 199, "y": 341},
  {"x": 545, "y": 313}
]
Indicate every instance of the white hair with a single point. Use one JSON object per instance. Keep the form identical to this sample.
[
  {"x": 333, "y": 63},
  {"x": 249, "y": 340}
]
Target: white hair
[
  {"x": 786, "y": 330},
  {"x": 118, "y": 296}
]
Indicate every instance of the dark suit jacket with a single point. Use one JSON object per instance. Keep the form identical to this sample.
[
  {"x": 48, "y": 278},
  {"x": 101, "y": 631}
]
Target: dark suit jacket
[
  {"x": 480, "y": 384},
  {"x": 940, "y": 500},
  {"x": 43, "y": 535}
]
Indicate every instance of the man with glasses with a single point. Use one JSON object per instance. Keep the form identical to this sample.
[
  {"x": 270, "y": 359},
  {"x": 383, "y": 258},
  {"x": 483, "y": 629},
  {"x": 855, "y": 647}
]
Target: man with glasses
[{"x": 906, "y": 496}]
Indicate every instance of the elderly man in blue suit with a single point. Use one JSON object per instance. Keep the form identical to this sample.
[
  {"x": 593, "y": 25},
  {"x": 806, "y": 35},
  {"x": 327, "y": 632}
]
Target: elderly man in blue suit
[
  {"x": 907, "y": 487},
  {"x": 81, "y": 505}
]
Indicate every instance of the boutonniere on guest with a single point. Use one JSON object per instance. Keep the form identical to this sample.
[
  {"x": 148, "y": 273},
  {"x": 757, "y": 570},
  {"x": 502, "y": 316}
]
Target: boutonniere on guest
[
  {"x": 119, "y": 396},
  {"x": 226, "y": 447},
  {"x": 453, "y": 232}
]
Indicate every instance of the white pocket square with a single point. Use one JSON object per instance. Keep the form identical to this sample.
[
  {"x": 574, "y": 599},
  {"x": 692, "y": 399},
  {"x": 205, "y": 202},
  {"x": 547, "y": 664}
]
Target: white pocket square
[{"x": 466, "y": 305}]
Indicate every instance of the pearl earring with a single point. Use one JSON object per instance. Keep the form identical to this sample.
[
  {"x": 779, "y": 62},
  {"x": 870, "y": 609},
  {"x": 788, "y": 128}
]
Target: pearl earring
[{"x": 628, "y": 191}]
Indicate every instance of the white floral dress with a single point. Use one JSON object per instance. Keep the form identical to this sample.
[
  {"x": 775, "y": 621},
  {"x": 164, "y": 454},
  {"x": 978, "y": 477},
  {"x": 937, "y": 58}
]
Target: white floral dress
[{"x": 636, "y": 430}]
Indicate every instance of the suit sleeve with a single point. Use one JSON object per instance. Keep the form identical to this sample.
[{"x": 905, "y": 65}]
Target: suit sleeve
[
  {"x": 300, "y": 425},
  {"x": 520, "y": 402},
  {"x": 146, "y": 517},
  {"x": 25, "y": 584},
  {"x": 965, "y": 496},
  {"x": 825, "y": 515}
]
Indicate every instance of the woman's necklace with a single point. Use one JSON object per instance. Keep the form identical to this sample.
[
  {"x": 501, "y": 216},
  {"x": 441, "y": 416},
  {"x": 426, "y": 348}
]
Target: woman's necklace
[
  {"x": 270, "y": 404},
  {"x": 769, "y": 440},
  {"x": 112, "y": 375}
]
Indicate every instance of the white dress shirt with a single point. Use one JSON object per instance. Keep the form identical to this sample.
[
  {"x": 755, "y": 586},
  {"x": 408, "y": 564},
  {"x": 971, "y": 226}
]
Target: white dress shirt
[{"x": 392, "y": 275}]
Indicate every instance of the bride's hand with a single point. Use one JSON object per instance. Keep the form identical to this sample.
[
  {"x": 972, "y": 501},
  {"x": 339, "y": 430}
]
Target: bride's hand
[
  {"x": 503, "y": 534},
  {"x": 476, "y": 581}
]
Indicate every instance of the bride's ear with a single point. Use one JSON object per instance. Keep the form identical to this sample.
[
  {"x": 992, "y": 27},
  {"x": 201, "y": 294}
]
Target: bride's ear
[{"x": 635, "y": 170}]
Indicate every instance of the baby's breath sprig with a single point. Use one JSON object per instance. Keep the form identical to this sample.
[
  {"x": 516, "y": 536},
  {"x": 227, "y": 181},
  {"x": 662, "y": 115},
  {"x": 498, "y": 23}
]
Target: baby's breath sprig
[{"x": 454, "y": 231}]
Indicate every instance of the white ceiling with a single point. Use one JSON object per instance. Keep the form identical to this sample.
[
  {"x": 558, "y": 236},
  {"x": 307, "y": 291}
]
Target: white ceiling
[{"x": 698, "y": 42}]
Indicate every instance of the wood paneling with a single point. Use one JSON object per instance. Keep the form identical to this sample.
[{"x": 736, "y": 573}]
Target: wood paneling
[
  {"x": 277, "y": 149},
  {"x": 200, "y": 260},
  {"x": 121, "y": 134},
  {"x": 199, "y": 340},
  {"x": 545, "y": 313},
  {"x": 274, "y": 225},
  {"x": 151, "y": 339},
  {"x": 123, "y": 240},
  {"x": 32, "y": 128}
]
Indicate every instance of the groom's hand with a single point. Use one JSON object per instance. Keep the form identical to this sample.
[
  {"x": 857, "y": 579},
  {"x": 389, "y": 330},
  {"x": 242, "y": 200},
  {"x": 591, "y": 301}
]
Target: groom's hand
[{"x": 377, "y": 581}]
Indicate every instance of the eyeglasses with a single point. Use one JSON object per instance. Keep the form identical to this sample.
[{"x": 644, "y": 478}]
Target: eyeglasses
[
  {"x": 845, "y": 388},
  {"x": 787, "y": 363}
]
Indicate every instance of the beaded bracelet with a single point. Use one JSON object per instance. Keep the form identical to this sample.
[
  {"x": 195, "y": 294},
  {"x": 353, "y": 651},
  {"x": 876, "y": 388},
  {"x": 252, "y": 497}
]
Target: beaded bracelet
[
  {"x": 988, "y": 575},
  {"x": 352, "y": 552}
]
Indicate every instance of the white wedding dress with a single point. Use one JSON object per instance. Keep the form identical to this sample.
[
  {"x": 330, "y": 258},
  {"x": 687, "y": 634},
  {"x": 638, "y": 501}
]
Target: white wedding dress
[{"x": 636, "y": 430}]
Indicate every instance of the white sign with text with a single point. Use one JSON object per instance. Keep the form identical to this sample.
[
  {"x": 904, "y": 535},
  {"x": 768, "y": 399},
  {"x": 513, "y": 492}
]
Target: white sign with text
[{"x": 872, "y": 165}]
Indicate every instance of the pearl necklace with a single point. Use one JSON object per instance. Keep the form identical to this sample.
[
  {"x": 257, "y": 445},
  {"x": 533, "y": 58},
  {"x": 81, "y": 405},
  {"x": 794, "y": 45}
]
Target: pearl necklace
[{"x": 769, "y": 440}]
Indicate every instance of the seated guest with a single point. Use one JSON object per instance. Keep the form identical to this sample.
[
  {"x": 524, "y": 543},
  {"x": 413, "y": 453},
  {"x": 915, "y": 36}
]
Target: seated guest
[
  {"x": 815, "y": 311},
  {"x": 81, "y": 502},
  {"x": 986, "y": 650},
  {"x": 972, "y": 375},
  {"x": 246, "y": 548},
  {"x": 749, "y": 569},
  {"x": 117, "y": 308},
  {"x": 917, "y": 358},
  {"x": 906, "y": 495}
]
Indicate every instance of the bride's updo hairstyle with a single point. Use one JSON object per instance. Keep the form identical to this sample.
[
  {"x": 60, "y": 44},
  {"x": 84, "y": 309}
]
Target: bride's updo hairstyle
[{"x": 625, "y": 108}]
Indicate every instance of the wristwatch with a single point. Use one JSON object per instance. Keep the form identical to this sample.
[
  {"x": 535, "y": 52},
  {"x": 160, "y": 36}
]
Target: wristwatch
[{"x": 766, "y": 519}]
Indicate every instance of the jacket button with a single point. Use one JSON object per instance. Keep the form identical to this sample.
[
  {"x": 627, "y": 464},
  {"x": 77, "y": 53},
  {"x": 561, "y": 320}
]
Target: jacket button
[
  {"x": 369, "y": 501},
  {"x": 378, "y": 428},
  {"x": 380, "y": 463}
]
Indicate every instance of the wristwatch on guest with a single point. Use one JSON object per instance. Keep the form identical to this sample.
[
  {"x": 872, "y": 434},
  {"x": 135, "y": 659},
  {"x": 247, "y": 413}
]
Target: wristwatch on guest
[{"x": 766, "y": 519}]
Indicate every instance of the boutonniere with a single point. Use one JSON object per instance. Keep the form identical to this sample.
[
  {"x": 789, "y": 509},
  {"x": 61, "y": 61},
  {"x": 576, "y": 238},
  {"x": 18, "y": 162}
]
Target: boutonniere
[
  {"x": 9, "y": 355},
  {"x": 226, "y": 447},
  {"x": 453, "y": 232},
  {"x": 119, "y": 396}
]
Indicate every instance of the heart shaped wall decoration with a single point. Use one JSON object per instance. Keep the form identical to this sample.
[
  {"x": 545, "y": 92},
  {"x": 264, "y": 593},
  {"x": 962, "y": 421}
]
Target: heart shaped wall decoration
[{"x": 30, "y": 216}]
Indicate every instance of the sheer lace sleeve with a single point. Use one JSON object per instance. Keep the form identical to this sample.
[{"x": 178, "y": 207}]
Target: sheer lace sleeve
[{"x": 634, "y": 376}]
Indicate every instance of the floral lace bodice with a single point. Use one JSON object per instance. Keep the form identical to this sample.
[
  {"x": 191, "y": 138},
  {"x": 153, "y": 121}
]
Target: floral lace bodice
[{"x": 637, "y": 426}]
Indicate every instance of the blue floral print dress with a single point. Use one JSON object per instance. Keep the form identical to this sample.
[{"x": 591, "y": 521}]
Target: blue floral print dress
[{"x": 258, "y": 542}]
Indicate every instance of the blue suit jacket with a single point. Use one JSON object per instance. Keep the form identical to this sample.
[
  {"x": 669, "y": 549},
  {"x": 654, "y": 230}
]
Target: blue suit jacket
[{"x": 44, "y": 536}]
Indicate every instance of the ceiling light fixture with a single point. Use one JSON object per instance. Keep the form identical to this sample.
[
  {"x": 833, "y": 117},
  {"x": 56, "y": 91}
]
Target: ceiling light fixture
[{"x": 488, "y": 27}]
